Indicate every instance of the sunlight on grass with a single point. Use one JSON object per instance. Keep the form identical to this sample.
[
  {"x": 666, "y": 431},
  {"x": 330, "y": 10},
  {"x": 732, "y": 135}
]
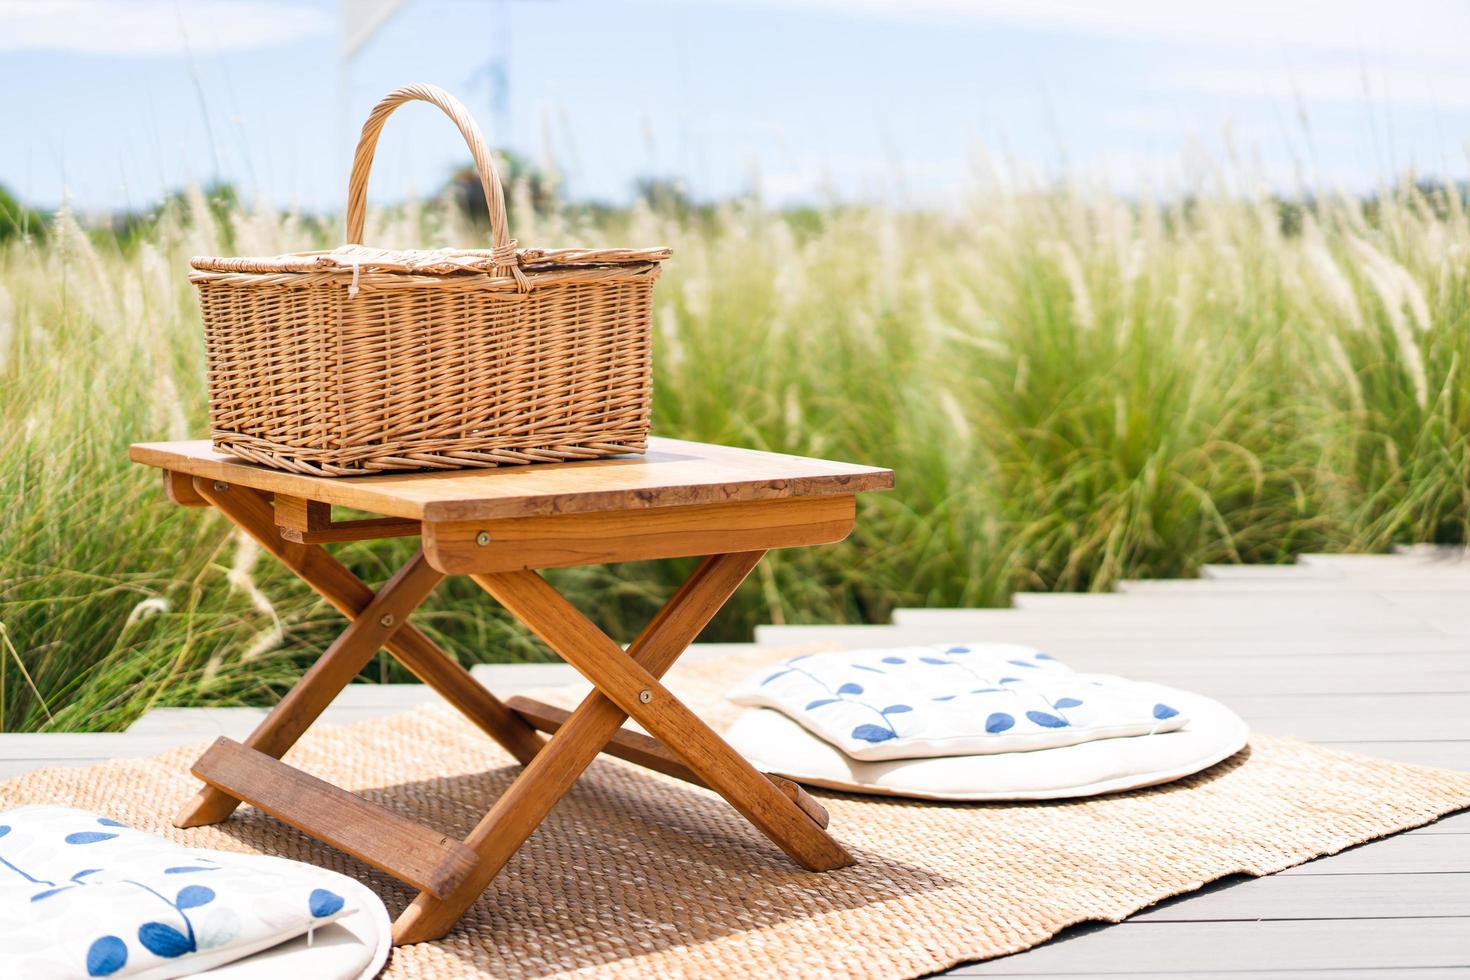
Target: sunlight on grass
[{"x": 1071, "y": 388}]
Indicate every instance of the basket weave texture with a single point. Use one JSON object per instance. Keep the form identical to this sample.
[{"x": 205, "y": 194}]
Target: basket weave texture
[{"x": 362, "y": 360}]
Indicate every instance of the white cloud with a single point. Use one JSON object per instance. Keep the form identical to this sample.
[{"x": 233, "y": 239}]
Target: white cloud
[
  {"x": 155, "y": 28},
  {"x": 1409, "y": 52},
  {"x": 1330, "y": 82},
  {"x": 1410, "y": 28}
]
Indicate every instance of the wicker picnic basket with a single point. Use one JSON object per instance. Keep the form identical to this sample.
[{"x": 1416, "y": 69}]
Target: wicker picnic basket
[{"x": 364, "y": 360}]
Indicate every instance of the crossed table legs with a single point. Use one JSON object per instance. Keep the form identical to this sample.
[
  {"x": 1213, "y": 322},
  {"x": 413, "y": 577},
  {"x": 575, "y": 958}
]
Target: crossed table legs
[{"x": 451, "y": 874}]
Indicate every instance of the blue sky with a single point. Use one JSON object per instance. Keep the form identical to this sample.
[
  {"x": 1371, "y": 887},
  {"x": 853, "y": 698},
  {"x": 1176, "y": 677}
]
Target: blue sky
[{"x": 114, "y": 102}]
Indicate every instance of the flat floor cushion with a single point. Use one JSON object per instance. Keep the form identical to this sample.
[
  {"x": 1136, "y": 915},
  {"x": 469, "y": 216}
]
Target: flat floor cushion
[
  {"x": 952, "y": 699},
  {"x": 84, "y": 895},
  {"x": 352, "y": 947},
  {"x": 774, "y": 743}
]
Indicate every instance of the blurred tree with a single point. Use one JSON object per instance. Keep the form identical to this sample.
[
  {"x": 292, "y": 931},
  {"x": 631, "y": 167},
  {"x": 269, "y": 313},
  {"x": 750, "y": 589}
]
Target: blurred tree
[
  {"x": 19, "y": 221},
  {"x": 128, "y": 227},
  {"x": 666, "y": 195},
  {"x": 463, "y": 187}
]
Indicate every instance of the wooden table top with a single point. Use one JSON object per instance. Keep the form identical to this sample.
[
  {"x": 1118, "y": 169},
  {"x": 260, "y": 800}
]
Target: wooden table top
[{"x": 672, "y": 473}]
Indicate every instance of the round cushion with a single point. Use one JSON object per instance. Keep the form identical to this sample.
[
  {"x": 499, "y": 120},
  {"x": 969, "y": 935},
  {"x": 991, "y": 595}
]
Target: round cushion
[{"x": 774, "y": 743}]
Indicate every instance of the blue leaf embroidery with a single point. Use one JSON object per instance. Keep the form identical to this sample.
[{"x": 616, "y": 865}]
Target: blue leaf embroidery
[
  {"x": 50, "y": 891},
  {"x": 164, "y": 940},
  {"x": 873, "y": 733},
  {"x": 779, "y": 673},
  {"x": 108, "y": 822},
  {"x": 4, "y": 829},
  {"x": 894, "y": 660},
  {"x": 946, "y": 697},
  {"x": 1009, "y": 680},
  {"x": 1066, "y": 703},
  {"x": 323, "y": 903},
  {"x": 1045, "y": 656},
  {"x": 896, "y": 709},
  {"x": 819, "y": 702},
  {"x": 186, "y": 869},
  {"x": 83, "y": 874},
  {"x": 999, "y": 722},
  {"x": 871, "y": 670},
  {"x": 106, "y": 956},
  {"x": 87, "y": 837},
  {"x": 1045, "y": 720},
  {"x": 985, "y": 690},
  {"x": 850, "y": 688},
  {"x": 1162, "y": 711},
  {"x": 958, "y": 650},
  {"x": 1022, "y": 663},
  {"x": 936, "y": 661},
  {"x": 193, "y": 896}
]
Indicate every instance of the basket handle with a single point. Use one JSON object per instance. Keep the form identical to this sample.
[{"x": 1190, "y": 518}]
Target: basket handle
[{"x": 503, "y": 252}]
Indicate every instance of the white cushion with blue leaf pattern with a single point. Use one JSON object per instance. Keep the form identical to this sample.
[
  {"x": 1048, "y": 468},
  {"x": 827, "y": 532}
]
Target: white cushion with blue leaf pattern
[
  {"x": 85, "y": 896},
  {"x": 774, "y": 743},
  {"x": 952, "y": 699}
]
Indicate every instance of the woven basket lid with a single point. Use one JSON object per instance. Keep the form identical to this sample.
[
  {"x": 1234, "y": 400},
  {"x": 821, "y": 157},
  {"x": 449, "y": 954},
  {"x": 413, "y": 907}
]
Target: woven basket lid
[{"x": 426, "y": 262}]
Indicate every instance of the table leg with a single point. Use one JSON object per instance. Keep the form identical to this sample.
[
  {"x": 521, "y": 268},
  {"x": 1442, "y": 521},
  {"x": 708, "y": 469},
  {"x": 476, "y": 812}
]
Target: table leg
[
  {"x": 333, "y": 670},
  {"x": 502, "y": 831},
  {"x": 251, "y": 511},
  {"x": 638, "y": 693}
]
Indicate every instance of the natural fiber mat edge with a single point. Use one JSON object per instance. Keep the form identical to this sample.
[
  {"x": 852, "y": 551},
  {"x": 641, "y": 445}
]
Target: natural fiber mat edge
[{"x": 637, "y": 874}]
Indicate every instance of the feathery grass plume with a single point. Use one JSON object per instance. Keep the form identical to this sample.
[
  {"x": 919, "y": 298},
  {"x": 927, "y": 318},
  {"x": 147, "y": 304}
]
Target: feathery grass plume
[
  {"x": 1338, "y": 355},
  {"x": 1076, "y": 284},
  {"x": 1330, "y": 279},
  {"x": 247, "y": 552},
  {"x": 1384, "y": 275},
  {"x": 151, "y": 606},
  {"x": 7, "y": 327},
  {"x": 959, "y": 422},
  {"x": 1413, "y": 296}
]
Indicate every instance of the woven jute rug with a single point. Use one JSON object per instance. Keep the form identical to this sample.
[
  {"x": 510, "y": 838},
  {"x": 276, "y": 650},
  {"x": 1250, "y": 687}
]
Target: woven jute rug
[{"x": 636, "y": 874}]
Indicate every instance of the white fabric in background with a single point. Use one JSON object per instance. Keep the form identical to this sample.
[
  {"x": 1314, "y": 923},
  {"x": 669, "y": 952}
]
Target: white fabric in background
[
  {"x": 774, "y": 743},
  {"x": 85, "y": 896},
  {"x": 953, "y": 699}
]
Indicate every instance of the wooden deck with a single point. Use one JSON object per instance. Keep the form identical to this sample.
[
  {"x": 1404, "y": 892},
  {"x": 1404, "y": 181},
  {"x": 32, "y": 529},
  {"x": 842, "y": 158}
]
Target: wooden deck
[{"x": 1366, "y": 653}]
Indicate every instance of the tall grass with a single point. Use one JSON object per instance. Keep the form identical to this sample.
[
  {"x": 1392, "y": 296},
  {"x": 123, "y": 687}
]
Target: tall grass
[{"x": 1071, "y": 387}]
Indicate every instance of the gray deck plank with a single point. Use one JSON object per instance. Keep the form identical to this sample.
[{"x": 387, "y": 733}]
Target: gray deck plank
[
  {"x": 1455, "y": 823},
  {"x": 1344, "y": 896},
  {"x": 1135, "y": 947},
  {"x": 1183, "y": 623},
  {"x": 234, "y": 722},
  {"x": 1358, "y": 717},
  {"x": 1447, "y": 559},
  {"x": 1333, "y": 606},
  {"x": 1440, "y": 755},
  {"x": 1234, "y": 573},
  {"x": 1393, "y": 973},
  {"x": 1018, "y": 626},
  {"x": 1387, "y": 586},
  {"x": 65, "y": 746},
  {"x": 1399, "y": 855}
]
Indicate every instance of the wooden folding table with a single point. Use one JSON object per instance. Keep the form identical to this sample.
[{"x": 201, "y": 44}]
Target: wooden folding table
[{"x": 498, "y": 526}]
